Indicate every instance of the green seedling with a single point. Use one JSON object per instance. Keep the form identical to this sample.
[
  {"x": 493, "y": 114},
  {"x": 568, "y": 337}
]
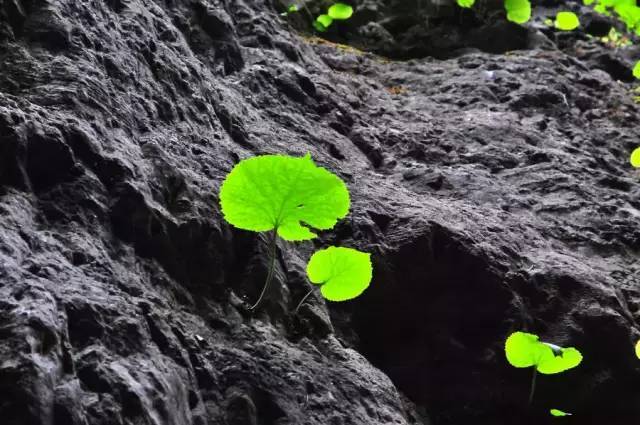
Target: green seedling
[
  {"x": 636, "y": 70},
  {"x": 337, "y": 11},
  {"x": 278, "y": 193},
  {"x": 291, "y": 9},
  {"x": 635, "y": 162},
  {"x": 341, "y": 273},
  {"x": 638, "y": 349},
  {"x": 558, "y": 413},
  {"x": 525, "y": 350},
  {"x": 340, "y": 11},
  {"x": 322, "y": 22},
  {"x": 518, "y": 11},
  {"x": 566, "y": 21},
  {"x": 466, "y": 3}
]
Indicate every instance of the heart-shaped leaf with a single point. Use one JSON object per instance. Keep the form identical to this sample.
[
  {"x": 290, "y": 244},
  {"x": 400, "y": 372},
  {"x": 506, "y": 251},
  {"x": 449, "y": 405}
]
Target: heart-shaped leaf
[{"x": 525, "y": 350}]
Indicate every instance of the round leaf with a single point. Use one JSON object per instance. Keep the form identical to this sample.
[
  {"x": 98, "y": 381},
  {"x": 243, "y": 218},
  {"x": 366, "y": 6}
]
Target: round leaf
[
  {"x": 466, "y": 3},
  {"x": 635, "y": 158},
  {"x": 323, "y": 21},
  {"x": 344, "y": 273},
  {"x": 518, "y": 11},
  {"x": 638, "y": 349},
  {"x": 280, "y": 192},
  {"x": 558, "y": 413},
  {"x": 566, "y": 359},
  {"x": 340, "y": 11},
  {"x": 567, "y": 21},
  {"x": 636, "y": 70},
  {"x": 524, "y": 349}
]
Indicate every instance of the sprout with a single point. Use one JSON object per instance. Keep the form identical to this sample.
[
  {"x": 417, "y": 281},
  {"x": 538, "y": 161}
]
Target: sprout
[
  {"x": 322, "y": 22},
  {"x": 558, "y": 413},
  {"x": 340, "y": 11},
  {"x": 635, "y": 158},
  {"x": 466, "y": 3},
  {"x": 567, "y": 21},
  {"x": 518, "y": 11},
  {"x": 341, "y": 273},
  {"x": 525, "y": 350}
]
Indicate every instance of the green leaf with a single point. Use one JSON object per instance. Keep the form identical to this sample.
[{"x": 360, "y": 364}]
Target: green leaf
[
  {"x": 555, "y": 362},
  {"x": 636, "y": 70},
  {"x": 323, "y": 21},
  {"x": 280, "y": 192},
  {"x": 635, "y": 162},
  {"x": 588, "y": 2},
  {"x": 518, "y": 11},
  {"x": 340, "y": 11},
  {"x": 558, "y": 413},
  {"x": 525, "y": 350},
  {"x": 293, "y": 8},
  {"x": 466, "y": 3},
  {"x": 344, "y": 273},
  {"x": 567, "y": 21},
  {"x": 638, "y": 343}
]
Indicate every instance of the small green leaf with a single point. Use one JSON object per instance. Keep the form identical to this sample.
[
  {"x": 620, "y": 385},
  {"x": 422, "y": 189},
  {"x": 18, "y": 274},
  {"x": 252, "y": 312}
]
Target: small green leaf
[
  {"x": 280, "y": 192},
  {"x": 322, "y": 22},
  {"x": 340, "y": 11},
  {"x": 518, "y": 11},
  {"x": 567, "y": 21},
  {"x": 466, "y": 3},
  {"x": 635, "y": 162},
  {"x": 636, "y": 70},
  {"x": 548, "y": 22},
  {"x": 558, "y": 413},
  {"x": 588, "y": 2},
  {"x": 638, "y": 343},
  {"x": 344, "y": 273},
  {"x": 293, "y": 8}
]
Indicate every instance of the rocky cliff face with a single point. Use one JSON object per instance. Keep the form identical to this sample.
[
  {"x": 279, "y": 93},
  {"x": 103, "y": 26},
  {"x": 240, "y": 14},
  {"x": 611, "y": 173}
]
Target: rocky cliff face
[{"x": 492, "y": 190}]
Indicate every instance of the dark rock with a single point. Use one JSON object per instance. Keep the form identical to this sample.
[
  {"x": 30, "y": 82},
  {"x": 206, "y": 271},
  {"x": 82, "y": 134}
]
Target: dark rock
[{"x": 492, "y": 190}]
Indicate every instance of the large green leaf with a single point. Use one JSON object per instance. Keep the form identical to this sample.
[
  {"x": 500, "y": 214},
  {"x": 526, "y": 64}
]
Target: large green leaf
[
  {"x": 567, "y": 21},
  {"x": 344, "y": 273},
  {"x": 340, "y": 11},
  {"x": 518, "y": 11},
  {"x": 281, "y": 192}
]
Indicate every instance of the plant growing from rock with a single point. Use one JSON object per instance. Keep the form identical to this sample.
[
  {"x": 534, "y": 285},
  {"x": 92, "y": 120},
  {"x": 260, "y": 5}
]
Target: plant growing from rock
[
  {"x": 634, "y": 159},
  {"x": 341, "y": 273},
  {"x": 566, "y": 21},
  {"x": 278, "y": 193},
  {"x": 525, "y": 350}
]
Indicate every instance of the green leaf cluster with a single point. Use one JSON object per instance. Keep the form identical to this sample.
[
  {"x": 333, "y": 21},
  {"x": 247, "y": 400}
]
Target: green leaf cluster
[
  {"x": 626, "y": 10},
  {"x": 337, "y": 11},
  {"x": 288, "y": 195}
]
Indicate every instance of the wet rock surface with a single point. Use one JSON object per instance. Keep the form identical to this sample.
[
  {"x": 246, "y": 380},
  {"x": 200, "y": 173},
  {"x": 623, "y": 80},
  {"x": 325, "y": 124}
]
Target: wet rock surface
[{"x": 493, "y": 191}]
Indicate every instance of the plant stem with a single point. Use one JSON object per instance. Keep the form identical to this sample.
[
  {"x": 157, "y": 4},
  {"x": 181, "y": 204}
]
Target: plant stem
[
  {"x": 272, "y": 263},
  {"x": 533, "y": 385},
  {"x": 302, "y": 302}
]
